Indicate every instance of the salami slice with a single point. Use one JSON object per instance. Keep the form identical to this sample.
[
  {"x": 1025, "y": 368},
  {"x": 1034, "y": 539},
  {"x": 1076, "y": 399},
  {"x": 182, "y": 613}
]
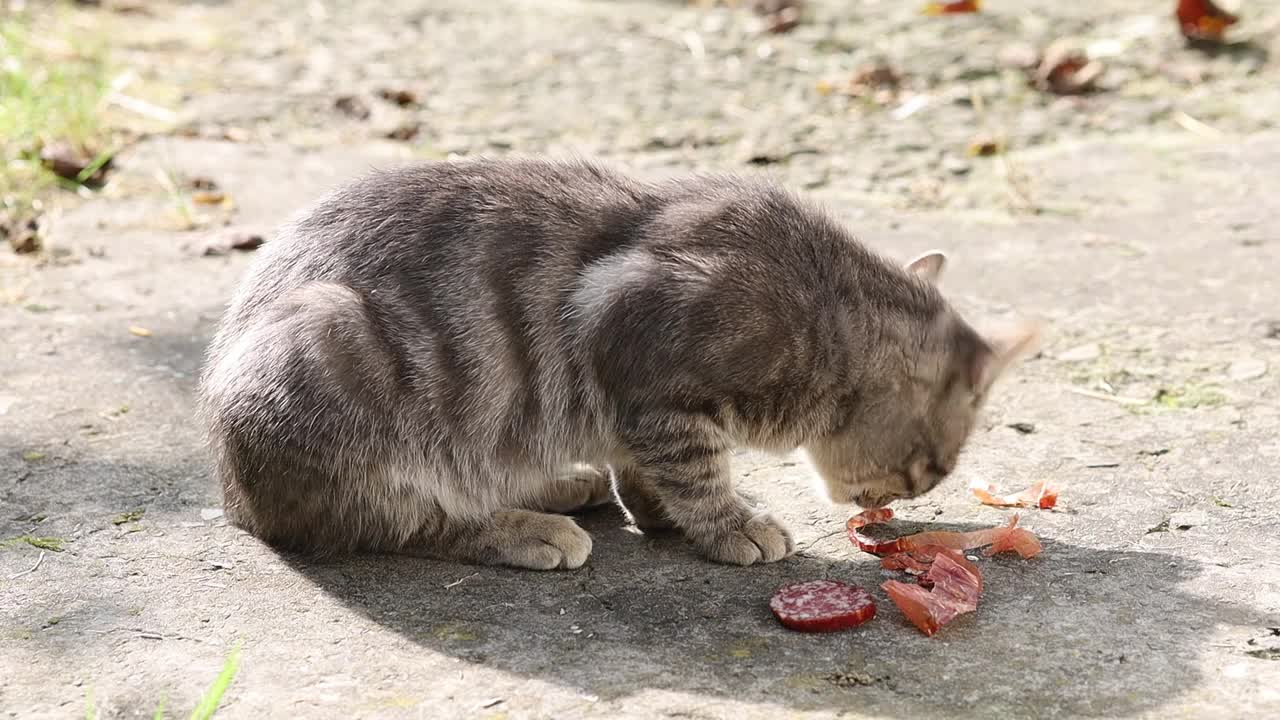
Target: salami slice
[{"x": 822, "y": 606}]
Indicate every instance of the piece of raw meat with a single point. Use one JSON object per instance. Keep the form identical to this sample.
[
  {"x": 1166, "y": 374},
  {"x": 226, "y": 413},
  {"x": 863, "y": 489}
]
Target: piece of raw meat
[
  {"x": 1040, "y": 495},
  {"x": 957, "y": 584},
  {"x": 1002, "y": 539},
  {"x": 914, "y": 562},
  {"x": 1015, "y": 539},
  {"x": 1203, "y": 21},
  {"x": 869, "y": 544},
  {"x": 822, "y": 606}
]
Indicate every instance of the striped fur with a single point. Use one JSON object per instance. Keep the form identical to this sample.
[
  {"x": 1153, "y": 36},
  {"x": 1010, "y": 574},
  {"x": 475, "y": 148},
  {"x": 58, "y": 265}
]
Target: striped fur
[{"x": 435, "y": 360}]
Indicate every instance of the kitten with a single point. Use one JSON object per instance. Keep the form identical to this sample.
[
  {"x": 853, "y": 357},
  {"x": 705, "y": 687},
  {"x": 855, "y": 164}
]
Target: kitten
[{"x": 437, "y": 360}]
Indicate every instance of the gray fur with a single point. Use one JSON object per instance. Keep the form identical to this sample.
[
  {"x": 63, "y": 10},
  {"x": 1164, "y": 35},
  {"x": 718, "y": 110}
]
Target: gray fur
[{"x": 433, "y": 358}]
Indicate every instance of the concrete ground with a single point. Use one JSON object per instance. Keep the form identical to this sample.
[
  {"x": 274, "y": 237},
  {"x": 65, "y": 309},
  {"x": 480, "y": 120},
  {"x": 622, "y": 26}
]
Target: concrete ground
[{"x": 1150, "y": 243}]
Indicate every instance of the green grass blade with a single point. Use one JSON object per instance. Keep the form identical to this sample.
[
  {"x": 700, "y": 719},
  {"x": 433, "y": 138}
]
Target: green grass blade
[
  {"x": 209, "y": 703},
  {"x": 103, "y": 158}
]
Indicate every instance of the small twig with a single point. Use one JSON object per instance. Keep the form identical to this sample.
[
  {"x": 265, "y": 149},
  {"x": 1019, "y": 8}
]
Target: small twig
[
  {"x": 141, "y": 107},
  {"x": 35, "y": 567},
  {"x": 1198, "y": 127},
  {"x": 1109, "y": 398},
  {"x": 459, "y": 581},
  {"x": 831, "y": 534}
]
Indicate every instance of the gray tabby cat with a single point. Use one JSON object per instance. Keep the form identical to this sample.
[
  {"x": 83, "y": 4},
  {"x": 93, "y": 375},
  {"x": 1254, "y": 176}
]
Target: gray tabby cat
[{"x": 439, "y": 360}]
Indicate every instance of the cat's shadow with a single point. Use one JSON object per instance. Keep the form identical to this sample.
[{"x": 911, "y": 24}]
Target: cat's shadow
[{"x": 1086, "y": 632}]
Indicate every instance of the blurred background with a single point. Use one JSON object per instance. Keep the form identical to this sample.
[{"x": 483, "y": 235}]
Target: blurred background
[{"x": 913, "y": 104}]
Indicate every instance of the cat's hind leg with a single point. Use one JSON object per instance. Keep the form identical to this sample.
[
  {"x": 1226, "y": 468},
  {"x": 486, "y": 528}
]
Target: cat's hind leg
[
  {"x": 518, "y": 538},
  {"x": 578, "y": 486}
]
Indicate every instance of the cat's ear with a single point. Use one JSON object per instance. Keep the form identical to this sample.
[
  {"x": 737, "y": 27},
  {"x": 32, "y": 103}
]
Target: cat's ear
[
  {"x": 928, "y": 265},
  {"x": 1005, "y": 346}
]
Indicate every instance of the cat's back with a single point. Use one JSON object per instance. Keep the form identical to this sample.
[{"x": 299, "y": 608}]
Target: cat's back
[
  {"x": 432, "y": 224},
  {"x": 432, "y": 204}
]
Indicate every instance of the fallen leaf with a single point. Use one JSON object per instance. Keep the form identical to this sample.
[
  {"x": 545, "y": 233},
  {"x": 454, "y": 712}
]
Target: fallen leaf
[
  {"x": 876, "y": 80},
  {"x": 33, "y": 456},
  {"x": 22, "y": 232},
  {"x": 404, "y": 132},
  {"x": 1065, "y": 69},
  {"x": 983, "y": 146},
  {"x": 352, "y": 106},
  {"x": 72, "y": 161},
  {"x": 139, "y": 331},
  {"x": 1203, "y": 21},
  {"x": 779, "y": 15},
  {"x": 210, "y": 197},
  {"x": 954, "y": 7},
  {"x": 403, "y": 98}
]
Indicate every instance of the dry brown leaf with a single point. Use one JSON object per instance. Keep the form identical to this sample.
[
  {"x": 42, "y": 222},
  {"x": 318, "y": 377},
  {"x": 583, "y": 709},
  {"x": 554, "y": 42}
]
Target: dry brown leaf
[
  {"x": 69, "y": 161},
  {"x": 1065, "y": 69},
  {"x": 954, "y": 7},
  {"x": 210, "y": 197},
  {"x": 352, "y": 106}
]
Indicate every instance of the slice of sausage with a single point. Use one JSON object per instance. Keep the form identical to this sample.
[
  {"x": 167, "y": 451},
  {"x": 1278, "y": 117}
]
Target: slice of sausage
[{"x": 822, "y": 606}]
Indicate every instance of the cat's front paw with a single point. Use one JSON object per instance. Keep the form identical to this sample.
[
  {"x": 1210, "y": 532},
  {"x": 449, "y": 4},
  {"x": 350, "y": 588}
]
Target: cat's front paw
[
  {"x": 539, "y": 541},
  {"x": 759, "y": 539}
]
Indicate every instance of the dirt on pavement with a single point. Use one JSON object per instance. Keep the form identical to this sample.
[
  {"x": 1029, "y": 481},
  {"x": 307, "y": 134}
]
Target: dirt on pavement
[{"x": 1140, "y": 220}]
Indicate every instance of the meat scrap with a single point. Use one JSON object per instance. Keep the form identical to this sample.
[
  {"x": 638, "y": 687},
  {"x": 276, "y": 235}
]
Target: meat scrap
[
  {"x": 822, "y": 606},
  {"x": 913, "y": 562},
  {"x": 1040, "y": 495},
  {"x": 1203, "y": 21},
  {"x": 1012, "y": 538},
  {"x": 956, "y": 586},
  {"x": 947, "y": 584},
  {"x": 1001, "y": 539}
]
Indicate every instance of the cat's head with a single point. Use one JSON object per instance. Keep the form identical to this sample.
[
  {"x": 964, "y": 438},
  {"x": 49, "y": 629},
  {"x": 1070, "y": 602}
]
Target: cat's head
[{"x": 903, "y": 433}]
